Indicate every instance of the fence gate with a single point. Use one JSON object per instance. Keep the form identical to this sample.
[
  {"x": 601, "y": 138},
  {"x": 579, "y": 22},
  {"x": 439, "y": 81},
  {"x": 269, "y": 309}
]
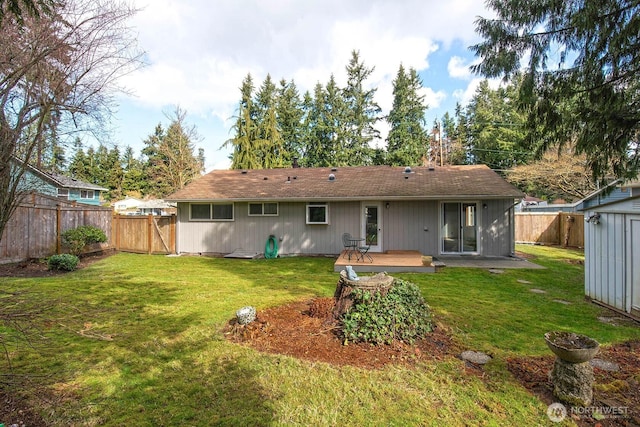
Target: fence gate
[{"x": 150, "y": 234}]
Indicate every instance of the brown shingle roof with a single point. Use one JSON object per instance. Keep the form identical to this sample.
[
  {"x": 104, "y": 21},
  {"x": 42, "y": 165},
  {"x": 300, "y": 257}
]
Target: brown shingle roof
[{"x": 359, "y": 183}]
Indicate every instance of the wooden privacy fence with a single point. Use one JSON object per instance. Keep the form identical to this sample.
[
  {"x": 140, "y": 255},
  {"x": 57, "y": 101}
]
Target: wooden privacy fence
[
  {"x": 150, "y": 234},
  {"x": 36, "y": 227},
  {"x": 551, "y": 228}
]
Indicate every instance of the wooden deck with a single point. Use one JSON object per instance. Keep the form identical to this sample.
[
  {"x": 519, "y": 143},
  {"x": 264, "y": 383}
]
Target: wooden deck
[{"x": 391, "y": 262}]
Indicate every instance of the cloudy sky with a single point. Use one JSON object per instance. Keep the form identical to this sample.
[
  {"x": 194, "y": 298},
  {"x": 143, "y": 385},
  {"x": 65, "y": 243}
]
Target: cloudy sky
[{"x": 199, "y": 51}]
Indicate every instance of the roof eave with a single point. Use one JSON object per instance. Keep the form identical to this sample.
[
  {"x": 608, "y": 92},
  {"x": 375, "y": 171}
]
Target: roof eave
[{"x": 349, "y": 199}]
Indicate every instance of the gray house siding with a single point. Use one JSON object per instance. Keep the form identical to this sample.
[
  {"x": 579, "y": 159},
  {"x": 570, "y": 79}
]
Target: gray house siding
[
  {"x": 497, "y": 233},
  {"x": 409, "y": 225},
  {"x": 250, "y": 233},
  {"x": 406, "y": 225}
]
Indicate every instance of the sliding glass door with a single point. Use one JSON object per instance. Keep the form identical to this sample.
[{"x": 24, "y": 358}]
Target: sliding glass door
[{"x": 458, "y": 231}]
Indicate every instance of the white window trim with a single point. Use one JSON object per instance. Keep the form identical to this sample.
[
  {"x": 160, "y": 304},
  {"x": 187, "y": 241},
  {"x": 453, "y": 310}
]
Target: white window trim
[
  {"x": 87, "y": 192},
  {"x": 262, "y": 204},
  {"x": 210, "y": 219},
  {"x": 63, "y": 193},
  {"x": 318, "y": 205}
]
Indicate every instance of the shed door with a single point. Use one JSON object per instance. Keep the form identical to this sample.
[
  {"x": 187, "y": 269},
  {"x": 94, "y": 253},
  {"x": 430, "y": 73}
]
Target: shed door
[{"x": 633, "y": 262}]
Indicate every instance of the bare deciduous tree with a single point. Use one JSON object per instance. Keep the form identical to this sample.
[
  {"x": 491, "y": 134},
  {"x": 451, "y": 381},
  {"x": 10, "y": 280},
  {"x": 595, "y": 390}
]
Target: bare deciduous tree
[
  {"x": 58, "y": 75},
  {"x": 558, "y": 174}
]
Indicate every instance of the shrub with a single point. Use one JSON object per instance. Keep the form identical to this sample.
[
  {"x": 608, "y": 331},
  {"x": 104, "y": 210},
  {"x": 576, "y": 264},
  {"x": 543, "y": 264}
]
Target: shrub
[
  {"x": 66, "y": 262},
  {"x": 77, "y": 238},
  {"x": 402, "y": 315}
]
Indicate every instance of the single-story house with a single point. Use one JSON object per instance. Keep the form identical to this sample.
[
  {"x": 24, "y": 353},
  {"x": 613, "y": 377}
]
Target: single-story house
[
  {"x": 612, "y": 247},
  {"x": 61, "y": 186},
  {"x": 441, "y": 210},
  {"x": 133, "y": 206},
  {"x": 128, "y": 205},
  {"x": 156, "y": 207}
]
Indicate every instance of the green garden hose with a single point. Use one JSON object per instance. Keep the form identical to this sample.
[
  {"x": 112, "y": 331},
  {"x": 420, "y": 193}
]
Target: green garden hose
[{"x": 271, "y": 248}]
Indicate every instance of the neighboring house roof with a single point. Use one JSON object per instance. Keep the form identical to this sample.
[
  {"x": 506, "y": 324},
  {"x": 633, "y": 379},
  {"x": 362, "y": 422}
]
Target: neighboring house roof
[
  {"x": 155, "y": 204},
  {"x": 129, "y": 202},
  {"x": 67, "y": 182},
  {"x": 362, "y": 183},
  {"x": 61, "y": 181}
]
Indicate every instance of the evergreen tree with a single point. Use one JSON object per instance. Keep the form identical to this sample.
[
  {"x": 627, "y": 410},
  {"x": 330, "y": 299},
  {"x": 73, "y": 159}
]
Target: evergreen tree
[
  {"x": 290, "y": 112},
  {"x": 151, "y": 159},
  {"x": 407, "y": 139},
  {"x": 134, "y": 180},
  {"x": 171, "y": 163},
  {"x": 272, "y": 153},
  {"x": 496, "y": 127},
  {"x": 335, "y": 126},
  {"x": 361, "y": 113},
  {"x": 79, "y": 166},
  {"x": 592, "y": 95},
  {"x": 115, "y": 174},
  {"x": 322, "y": 132},
  {"x": 458, "y": 137},
  {"x": 245, "y": 142}
]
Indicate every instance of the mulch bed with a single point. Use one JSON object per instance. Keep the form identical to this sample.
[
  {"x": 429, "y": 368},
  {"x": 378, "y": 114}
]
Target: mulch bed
[
  {"x": 39, "y": 267},
  {"x": 302, "y": 330}
]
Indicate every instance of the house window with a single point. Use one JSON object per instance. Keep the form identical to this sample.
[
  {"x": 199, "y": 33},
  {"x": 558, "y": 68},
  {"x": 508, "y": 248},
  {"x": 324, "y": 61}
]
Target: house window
[
  {"x": 86, "y": 194},
  {"x": 263, "y": 209},
  {"x": 317, "y": 213},
  {"x": 63, "y": 193},
  {"x": 211, "y": 211}
]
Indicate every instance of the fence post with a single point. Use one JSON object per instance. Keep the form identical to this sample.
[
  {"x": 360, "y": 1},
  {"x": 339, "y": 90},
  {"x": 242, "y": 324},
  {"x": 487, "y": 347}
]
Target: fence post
[
  {"x": 172, "y": 233},
  {"x": 150, "y": 233},
  {"x": 58, "y": 229}
]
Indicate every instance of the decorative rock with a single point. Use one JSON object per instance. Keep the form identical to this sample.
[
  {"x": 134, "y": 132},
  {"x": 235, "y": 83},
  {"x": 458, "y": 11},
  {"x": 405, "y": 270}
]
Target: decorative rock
[
  {"x": 537, "y": 291},
  {"x": 246, "y": 315},
  {"x": 495, "y": 271},
  {"x": 476, "y": 357},
  {"x": 605, "y": 365},
  {"x": 572, "y": 382},
  {"x": 524, "y": 282}
]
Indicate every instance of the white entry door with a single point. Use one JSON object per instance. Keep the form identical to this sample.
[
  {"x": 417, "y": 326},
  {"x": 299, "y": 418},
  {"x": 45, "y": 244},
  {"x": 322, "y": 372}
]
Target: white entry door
[{"x": 371, "y": 225}]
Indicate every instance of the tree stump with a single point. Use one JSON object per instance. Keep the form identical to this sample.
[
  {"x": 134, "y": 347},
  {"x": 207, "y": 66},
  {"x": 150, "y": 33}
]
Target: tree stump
[{"x": 345, "y": 288}]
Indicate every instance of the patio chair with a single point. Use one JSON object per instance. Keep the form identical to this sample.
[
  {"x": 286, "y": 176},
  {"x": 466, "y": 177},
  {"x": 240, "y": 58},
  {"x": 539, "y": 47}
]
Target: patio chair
[
  {"x": 363, "y": 251},
  {"x": 347, "y": 242}
]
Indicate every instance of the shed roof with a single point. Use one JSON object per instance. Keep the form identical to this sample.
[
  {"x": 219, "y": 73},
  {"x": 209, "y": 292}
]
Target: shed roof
[{"x": 348, "y": 183}]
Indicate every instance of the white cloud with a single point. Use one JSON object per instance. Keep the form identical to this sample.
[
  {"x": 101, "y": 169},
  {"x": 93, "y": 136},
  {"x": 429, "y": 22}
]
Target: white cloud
[
  {"x": 464, "y": 96},
  {"x": 434, "y": 98},
  {"x": 199, "y": 51},
  {"x": 458, "y": 68}
]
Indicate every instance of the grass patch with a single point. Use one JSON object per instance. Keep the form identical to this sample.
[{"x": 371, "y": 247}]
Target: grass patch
[{"x": 135, "y": 340}]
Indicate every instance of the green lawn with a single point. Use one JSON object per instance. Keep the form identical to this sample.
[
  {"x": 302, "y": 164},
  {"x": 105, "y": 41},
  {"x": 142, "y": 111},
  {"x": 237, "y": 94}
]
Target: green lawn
[{"x": 135, "y": 340}]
